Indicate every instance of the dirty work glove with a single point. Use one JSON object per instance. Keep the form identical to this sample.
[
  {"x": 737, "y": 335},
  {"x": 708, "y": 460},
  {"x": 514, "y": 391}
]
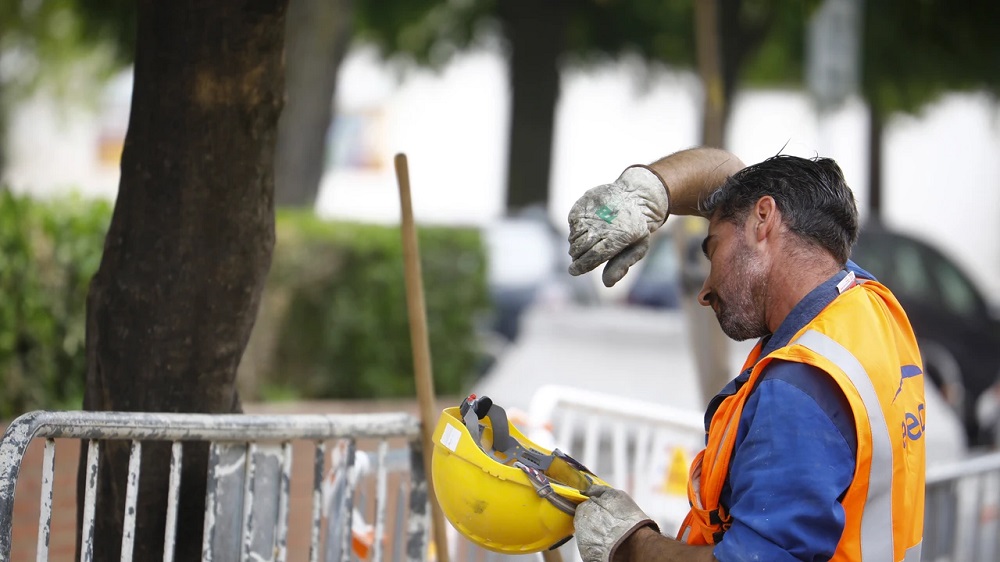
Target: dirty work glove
[
  {"x": 603, "y": 522},
  {"x": 612, "y": 223}
]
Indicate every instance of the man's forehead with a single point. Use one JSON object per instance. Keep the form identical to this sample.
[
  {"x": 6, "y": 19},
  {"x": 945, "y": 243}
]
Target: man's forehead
[
  {"x": 716, "y": 225},
  {"x": 719, "y": 227},
  {"x": 714, "y": 217}
]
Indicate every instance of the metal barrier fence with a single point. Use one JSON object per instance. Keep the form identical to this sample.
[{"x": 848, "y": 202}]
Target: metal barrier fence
[
  {"x": 646, "y": 449},
  {"x": 962, "y": 510},
  {"x": 640, "y": 449},
  {"x": 249, "y": 460}
]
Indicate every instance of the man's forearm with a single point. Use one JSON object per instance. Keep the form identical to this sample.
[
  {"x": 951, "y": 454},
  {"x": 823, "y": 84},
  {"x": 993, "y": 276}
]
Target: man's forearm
[
  {"x": 692, "y": 174},
  {"x": 646, "y": 545}
]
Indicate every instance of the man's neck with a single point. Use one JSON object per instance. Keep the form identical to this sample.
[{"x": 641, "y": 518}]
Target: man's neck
[{"x": 794, "y": 277}]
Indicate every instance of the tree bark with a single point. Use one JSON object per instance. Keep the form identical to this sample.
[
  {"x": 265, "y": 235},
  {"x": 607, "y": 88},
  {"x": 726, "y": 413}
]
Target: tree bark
[
  {"x": 319, "y": 33},
  {"x": 537, "y": 35},
  {"x": 710, "y": 68},
  {"x": 173, "y": 302}
]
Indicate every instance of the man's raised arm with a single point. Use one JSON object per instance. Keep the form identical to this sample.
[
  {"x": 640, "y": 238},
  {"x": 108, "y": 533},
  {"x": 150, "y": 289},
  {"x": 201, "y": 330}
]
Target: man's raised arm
[{"x": 612, "y": 222}]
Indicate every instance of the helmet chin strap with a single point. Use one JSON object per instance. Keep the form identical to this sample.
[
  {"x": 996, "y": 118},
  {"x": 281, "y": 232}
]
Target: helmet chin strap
[
  {"x": 538, "y": 466},
  {"x": 505, "y": 449}
]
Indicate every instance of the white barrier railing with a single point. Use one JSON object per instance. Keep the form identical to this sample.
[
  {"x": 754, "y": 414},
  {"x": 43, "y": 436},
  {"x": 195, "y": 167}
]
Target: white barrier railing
[
  {"x": 638, "y": 446},
  {"x": 641, "y": 447},
  {"x": 962, "y": 510},
  {"x": 247, "y": 499},
  {"x": 645, "y": 448}
]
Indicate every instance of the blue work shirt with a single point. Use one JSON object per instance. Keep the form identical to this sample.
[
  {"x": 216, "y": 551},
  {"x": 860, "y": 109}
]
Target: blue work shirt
[{"x": 794, "y": 455}]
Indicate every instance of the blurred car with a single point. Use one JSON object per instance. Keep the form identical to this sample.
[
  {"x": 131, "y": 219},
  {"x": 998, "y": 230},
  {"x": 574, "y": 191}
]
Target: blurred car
[
  {"x": 658, "y": 283},
  {"x": 526, "y": 263},
  {"x": 959, "y": 336}
]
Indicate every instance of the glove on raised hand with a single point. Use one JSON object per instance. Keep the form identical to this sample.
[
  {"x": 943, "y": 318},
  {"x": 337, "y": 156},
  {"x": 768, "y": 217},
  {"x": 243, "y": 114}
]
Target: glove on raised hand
[
  {"x": 604, "y": 521},
  {"x": 612, "y": 223}
]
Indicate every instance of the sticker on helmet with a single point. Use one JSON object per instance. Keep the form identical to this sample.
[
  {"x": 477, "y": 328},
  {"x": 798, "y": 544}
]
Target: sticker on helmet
[{"x": 450, "y": 437}]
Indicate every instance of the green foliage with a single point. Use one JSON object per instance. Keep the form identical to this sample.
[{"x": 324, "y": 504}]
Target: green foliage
[
  {"x": 70, "y": 46},
  {"x": 780, "y": 58},
  {"x": 912, "y": 51},
  {"x": 333, "y": 316},
  {"x": 50, "y": 38},
  {"x": 915, "y": 51},
  {"x": 334, "y": 310},
  {"x": 428, "y": 31},
  {"x": 431, "y": 31},
  {"x": 657, "y": 31},
  {"x": 48, "y": 253}
]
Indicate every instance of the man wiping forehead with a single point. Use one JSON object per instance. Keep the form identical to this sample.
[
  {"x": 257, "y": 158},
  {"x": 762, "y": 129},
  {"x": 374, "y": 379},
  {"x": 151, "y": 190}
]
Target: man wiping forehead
[{"x": 810, "y": 453}]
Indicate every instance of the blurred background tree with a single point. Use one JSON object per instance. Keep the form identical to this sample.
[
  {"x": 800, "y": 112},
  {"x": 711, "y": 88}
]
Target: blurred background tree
[
  {"x": 913, "y": 53},
  {"x": 910, "y": 55},
  {"x": 63, "y": 44},
  {"x": 539, "y": 40},
  {"x": 67, "y": 49},
  {"x": 319, "y": 35},
  {"x": 729, "y": 43}
]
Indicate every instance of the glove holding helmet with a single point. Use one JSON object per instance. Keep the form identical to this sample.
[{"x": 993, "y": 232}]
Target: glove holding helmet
[
  {"x": 605, "y": 521},
  {"x": 498, "y": 488}
]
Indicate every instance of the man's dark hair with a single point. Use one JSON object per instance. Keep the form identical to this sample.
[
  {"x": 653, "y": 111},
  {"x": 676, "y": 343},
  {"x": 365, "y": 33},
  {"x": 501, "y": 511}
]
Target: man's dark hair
[{"x": 811, "y": 195}]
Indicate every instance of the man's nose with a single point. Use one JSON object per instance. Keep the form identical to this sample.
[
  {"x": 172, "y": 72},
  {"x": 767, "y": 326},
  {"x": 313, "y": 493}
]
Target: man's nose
[{"x": 705, "y": 296}]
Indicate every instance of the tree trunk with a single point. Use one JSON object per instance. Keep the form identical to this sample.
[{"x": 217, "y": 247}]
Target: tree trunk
[
  {"x": 709, "y": 58},
  {"x": 537, "y": 35},
  {"x": 709, "y": 343},
  {"x": 319, "y": 32},
  {"x": 4, "y": 123},
  {"x": 173, "y": 302},
  {"x": 875, "y": 131}
]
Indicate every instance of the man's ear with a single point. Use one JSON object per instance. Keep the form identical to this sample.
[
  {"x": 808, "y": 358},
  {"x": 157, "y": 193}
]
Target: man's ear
[{"x": 765, "y": 217}]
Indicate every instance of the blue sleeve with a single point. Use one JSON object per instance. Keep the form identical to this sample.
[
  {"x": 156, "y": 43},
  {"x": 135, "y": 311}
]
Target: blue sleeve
[{"x": 794, "y": 459}]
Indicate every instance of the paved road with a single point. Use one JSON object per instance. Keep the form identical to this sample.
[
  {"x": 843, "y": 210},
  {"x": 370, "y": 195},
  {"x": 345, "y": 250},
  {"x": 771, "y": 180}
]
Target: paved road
[{"x": 630, "y": 352}]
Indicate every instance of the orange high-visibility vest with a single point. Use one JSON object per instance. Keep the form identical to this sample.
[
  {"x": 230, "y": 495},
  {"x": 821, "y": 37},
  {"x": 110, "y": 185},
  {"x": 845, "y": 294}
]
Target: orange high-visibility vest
[{"x": 864, "y": 341}]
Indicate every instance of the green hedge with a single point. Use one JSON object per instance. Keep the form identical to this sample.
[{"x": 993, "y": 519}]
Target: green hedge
[
  {"x": 48, "y": 252},
  {"x": 332, "y": 323}
]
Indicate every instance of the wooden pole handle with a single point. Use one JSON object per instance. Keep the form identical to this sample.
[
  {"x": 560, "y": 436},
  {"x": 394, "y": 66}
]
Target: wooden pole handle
[{"x": 421, "y": 348}]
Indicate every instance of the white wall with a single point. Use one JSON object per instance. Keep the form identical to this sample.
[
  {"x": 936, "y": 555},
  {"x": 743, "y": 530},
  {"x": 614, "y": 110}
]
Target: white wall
[
  {"x": 942, "y": 174},
  {"x": 943, "y": 182}
]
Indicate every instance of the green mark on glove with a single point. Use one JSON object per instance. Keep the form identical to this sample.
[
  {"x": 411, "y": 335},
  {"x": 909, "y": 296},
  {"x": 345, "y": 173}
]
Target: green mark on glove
[{"x": 607, "y": 214}]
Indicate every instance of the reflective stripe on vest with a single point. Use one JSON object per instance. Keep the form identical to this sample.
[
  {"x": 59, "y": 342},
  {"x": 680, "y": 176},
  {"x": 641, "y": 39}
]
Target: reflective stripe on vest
[{"x": 876, "y": 522}]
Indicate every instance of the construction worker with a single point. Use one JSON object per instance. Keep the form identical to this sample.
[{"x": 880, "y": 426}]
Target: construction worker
[{"x": 815, "y": 451}]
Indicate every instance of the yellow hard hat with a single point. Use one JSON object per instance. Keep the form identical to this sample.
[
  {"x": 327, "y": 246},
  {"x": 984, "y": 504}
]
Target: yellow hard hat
[{"x": 500, "y": 490}]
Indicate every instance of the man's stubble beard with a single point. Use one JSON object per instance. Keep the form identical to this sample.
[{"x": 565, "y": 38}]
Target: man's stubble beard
[{"x": 741, "y": 314}]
